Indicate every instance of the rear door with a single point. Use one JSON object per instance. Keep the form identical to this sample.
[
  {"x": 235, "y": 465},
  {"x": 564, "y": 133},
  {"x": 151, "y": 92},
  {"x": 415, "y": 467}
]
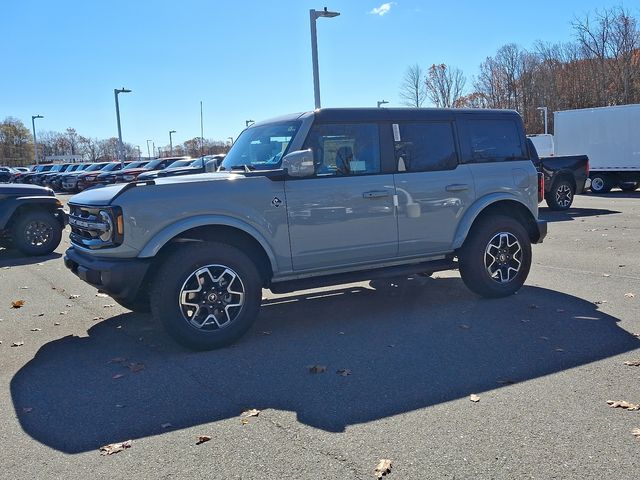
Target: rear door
[
  {"x": 433, "y": 188},
  {"x": 344, "y": 214}
]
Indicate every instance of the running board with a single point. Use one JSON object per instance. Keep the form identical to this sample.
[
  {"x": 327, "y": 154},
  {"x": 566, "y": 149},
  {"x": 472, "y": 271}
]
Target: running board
[{"x": 363, "y": 275}]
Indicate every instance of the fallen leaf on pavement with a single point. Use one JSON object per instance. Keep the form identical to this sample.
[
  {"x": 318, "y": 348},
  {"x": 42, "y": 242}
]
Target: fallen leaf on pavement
[
  {"x": 115, "y": 448},
  {"x": 636, "y": 433},
  {"x": 41, "y": 314},
  {"x": 68, "y": 305},
  {"x": 36, "y": 329},
  {"x": 606, "y": 275},
  {"x": 543, "y": 338},
  {"x": 623, "y": 404},
  {"x": 17, "y": 304},
  {"x": 559, "y": 349},
  {"x": 27, "y": 409},
  {"x": 560, "y": 310},
  {"x": 202, "y": 439},
  {"x": 40, "y": 264},
  {"x": 474, "y": 398},
  {"x": 317, "y": 369},
  {"x": 506, "y": 381},
  {"x": 254, "y": 412},
  {"x": 136, "y": 367},
  {"x": 109, "y": 305},
  {"x": 24, "y": 288},
  {"x": 117, "y": 376},
  {"x": 17, "y": 344},
  {"x": 344, "y": 372},
  {"x": 56, "y": 323},
  {"x": 463, "y": 326},
  {"x": 266, "y": 332},
  {"x": 95, "y": 319},
  {"x": 117, "y": 360},
  {"x": 383, "y": 468},
  {"x": 166, "y": 425},
  {"x": 72, "y": 297},
  {"x": 63, "y": 313},
  {"x": 629, "y": 295},
  {"x": 632, "y": 363},
  {"x": 600, "y": 302},
  {"x": 102, "y": 295}
]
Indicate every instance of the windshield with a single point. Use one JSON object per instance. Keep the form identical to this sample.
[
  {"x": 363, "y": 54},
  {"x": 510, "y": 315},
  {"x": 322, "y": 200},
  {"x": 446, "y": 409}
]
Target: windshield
[
  {"x": 261, "y": 147},
  {"x": 94, "y": 167},
  {"x": 137, "y": 164},
  {"x": 153, "y": 164},
  {"x": 180, "y": 163}
]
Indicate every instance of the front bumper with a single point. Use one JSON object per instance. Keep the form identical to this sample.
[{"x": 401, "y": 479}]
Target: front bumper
[
  {"x": 542, "y": 230},
  {"x": 120, "y": 278}
]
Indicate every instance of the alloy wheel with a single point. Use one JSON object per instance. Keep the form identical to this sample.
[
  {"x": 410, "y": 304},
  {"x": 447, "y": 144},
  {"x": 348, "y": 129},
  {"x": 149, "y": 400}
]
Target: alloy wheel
[
  {"x": 503, "y": 257},
  {"x": 564, "y": 195},
  {"x": 38, "y": 233}
]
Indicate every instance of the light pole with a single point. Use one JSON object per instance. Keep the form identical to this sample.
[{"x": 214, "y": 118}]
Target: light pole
[
  {"x": 313, "y": 16},
  {"x": 171, "y": 132},
  {"x": 148, "y": 151},
  {"x": 545, "y": 110},
  {"x": 139, "y": 153},
  {"x": 230, "y": 140},
  {"x": 248, "y": 122},
  {"x": 35, "y": 141},
  {"x": 382, "y": 102},
  {"x": 116, "y": 91}
]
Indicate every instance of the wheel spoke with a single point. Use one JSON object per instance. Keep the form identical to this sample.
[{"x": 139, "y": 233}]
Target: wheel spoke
[{"x": 503, "y": 257}]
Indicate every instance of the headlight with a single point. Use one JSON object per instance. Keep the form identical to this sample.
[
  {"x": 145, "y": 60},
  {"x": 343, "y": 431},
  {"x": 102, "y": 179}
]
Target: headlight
[
  {"x": 128, "y": 178},
  {"x": 90, "y": 178},
  {"x": 107, "y": 235}
]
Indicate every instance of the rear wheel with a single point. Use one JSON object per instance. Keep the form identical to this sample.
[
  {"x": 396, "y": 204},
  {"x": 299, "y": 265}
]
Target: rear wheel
[
  {"x": 629, "y": 186},
  {"x": 207, "y": 295},
  {"x": 560, "y": 197},
  {"x": 36, "y": 233},
  {"x": 601, "y": 183},
  {"x": 496, "y": 257}
]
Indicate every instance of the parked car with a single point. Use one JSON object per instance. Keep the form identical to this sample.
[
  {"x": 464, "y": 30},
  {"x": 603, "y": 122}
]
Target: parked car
[
  {"x": 109, "y": 177},
  {"x": 565, "y": 176},
  {"x": 402, "y": 191},
  {"x": 54, "y": 180},
  {"x": 131, "y": 174},
  {"x": 208, "y": 163},
  {"x": 6, "y": 173},
  {"x": 28, "y": 177},
  {"x": 70, "y": 180},
  {"x": 38, "y": 178},
  {"x": 31, "y": 219},
  {"x": 90, "y": 179},
  {"x": 19, "y": 172},
  {"x": 609, "y": 137}
]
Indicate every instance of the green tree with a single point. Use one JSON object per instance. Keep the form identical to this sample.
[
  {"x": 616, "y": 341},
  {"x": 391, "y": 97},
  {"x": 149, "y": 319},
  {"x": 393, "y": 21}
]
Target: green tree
[{"x": 16, "y": 145}]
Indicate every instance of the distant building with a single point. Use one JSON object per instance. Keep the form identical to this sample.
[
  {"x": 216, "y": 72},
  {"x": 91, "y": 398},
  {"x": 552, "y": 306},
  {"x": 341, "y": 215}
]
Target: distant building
[{"x": 63, "y": 159}]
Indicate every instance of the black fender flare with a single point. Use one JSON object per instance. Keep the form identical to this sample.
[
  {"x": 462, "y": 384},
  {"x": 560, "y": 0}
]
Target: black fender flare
[{"x": 11, "y": 205}]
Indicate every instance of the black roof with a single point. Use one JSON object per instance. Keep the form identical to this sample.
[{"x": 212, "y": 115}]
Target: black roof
[{"x": 403, "y": 114}]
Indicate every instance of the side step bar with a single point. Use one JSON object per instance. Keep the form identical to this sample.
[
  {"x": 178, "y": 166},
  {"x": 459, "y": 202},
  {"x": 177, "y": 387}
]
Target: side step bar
[{"x": 363, "y": 275}]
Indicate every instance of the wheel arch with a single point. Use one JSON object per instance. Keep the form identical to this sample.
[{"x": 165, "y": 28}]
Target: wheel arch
[{"x": 510, "y": 207}]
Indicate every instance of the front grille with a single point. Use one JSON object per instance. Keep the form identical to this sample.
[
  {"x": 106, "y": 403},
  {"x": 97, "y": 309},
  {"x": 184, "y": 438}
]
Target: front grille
[{"x": 86, "y": 226}]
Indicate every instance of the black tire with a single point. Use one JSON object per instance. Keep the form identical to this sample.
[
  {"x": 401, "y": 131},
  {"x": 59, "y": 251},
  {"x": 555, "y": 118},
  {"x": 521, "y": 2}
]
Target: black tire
[
  {"x": 601, "y": 183},
  {"x": 473, "y": 258},
  {"x": 629, "y": 186},
  {"x": 560, "y": 196},
  {"x": 140, "y": 304},
  {"x": 178, "y": 273},
  {"x": 36, "y": 232}
]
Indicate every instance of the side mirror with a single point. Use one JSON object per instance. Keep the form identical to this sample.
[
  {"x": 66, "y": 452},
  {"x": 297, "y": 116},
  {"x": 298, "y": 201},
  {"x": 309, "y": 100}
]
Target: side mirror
[
  {"x": 211, "y": 166},
  {"x": 299, "y": 163}
]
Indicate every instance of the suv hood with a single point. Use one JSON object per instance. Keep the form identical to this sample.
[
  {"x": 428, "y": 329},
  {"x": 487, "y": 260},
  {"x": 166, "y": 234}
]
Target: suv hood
[
  {"x": 105, "y": 195},
  {"x": 21, "y": 190}
]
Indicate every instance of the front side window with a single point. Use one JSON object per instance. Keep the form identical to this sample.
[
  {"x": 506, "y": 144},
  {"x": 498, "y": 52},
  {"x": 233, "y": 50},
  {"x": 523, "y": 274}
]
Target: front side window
[
  {"x": 261, "y": 147},
  {"x": 345, "y": 149},
  {"x": 425, "y": 147},
  {"x": 494, "y": 141}
]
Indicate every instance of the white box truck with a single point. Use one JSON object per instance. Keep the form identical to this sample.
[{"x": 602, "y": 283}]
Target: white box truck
[{"x": 610, "y": 137}]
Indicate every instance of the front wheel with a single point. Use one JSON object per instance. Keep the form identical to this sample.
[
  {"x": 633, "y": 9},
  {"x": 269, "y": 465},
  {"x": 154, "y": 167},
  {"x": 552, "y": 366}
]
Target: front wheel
[
  {"x": 560, "y": 197},
  {"x": 36, "y": 233},
  {"x": 206, "y": 295},
  {"x": 496, "y": 257}
]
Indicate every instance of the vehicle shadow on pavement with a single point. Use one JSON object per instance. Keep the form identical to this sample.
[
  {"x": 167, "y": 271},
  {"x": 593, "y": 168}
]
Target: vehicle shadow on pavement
[
  {"x": 408, "y": 344},
  {"x": 13, "y": 258},
  {"x": 573, "y": 213}
]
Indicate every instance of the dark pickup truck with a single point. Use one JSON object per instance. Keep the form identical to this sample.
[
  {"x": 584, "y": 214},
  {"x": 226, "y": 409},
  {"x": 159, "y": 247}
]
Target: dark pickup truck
[{"x": 564, "y": 177}]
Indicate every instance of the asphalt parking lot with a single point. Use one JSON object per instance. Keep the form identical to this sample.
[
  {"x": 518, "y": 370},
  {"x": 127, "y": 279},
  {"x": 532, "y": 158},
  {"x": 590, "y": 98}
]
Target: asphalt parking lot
[{"x": 544, "y": 363}]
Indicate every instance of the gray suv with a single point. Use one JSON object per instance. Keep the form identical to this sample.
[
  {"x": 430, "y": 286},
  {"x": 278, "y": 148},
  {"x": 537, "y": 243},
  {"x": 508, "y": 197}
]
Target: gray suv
[{"x": 313, "y": 199}]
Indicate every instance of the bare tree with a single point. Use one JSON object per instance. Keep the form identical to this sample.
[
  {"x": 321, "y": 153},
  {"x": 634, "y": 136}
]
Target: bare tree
[
  {"x": 444, "y": 85},
  {"x": 412, "y": 89}
]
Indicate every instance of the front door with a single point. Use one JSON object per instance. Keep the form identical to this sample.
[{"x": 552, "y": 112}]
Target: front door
[{"x": 344, "y": 214}]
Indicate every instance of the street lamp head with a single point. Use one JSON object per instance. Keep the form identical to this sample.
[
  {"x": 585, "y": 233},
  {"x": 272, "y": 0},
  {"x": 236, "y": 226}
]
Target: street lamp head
[
  {"x": 381, "y": 102},
  {"x": 325, "y": 13},
  {"x": 172, "y": 131},
  {"x": 122, "y": 90},
  {"x": 33, "y": 117}
]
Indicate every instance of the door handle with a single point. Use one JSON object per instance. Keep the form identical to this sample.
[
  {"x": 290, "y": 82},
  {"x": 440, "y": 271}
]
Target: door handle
[
  {"x": 376, "y": 194},
  {"x": 457, "y": 187}
]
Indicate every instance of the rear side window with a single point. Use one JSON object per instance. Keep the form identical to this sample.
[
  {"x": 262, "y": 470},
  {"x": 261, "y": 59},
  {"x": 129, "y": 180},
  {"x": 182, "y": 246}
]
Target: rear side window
[
  {"x": 493, "y": 141},
  {"x": 425, "y": 147}
]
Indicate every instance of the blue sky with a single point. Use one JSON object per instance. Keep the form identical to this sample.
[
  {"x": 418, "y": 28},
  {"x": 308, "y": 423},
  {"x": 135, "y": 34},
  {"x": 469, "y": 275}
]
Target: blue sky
[{"x": 243, "y": 59}]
